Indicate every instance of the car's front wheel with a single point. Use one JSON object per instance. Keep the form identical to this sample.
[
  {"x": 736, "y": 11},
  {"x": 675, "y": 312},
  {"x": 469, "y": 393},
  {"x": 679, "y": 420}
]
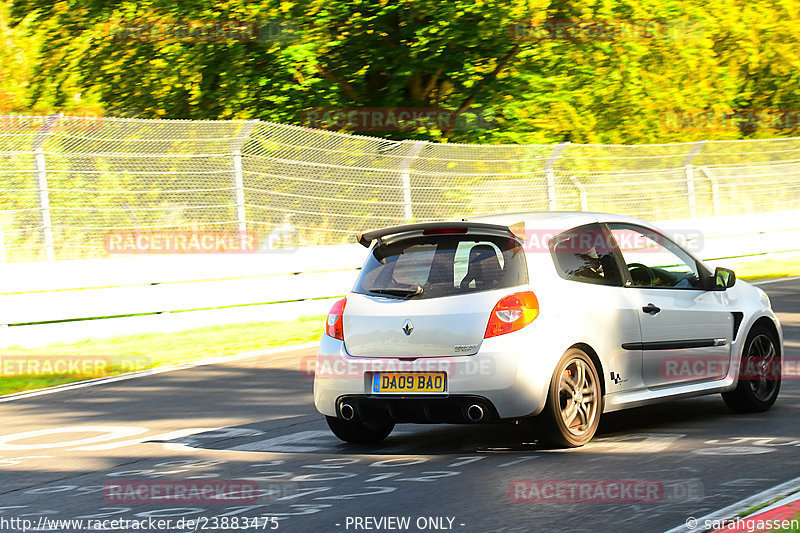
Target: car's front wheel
[
  {"x": 759, "y": 374},
  {"x": 574, "y": 402},
  {"x": 358, "y": 431}
]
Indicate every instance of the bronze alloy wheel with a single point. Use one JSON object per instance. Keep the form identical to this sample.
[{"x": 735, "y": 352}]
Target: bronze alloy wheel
[
  {"x": 574, "y": 402},
  {"x": 578, "y": 396}
]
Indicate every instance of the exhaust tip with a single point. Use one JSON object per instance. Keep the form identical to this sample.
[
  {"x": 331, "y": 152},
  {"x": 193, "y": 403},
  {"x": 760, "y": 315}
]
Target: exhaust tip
[
  {"x": 347, "y": 411},
  {"x": 475, "y": 413}
]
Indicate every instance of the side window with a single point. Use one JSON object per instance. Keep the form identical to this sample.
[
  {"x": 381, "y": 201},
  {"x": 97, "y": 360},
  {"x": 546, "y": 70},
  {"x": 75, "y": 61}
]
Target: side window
[
  {"x": 586, "y": 255},
  {"x": 653, "y": 260}
]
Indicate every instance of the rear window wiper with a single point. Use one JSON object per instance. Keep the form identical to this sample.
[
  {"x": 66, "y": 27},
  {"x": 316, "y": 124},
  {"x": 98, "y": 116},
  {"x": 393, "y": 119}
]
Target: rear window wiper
[{"x": 398, "y": 291}]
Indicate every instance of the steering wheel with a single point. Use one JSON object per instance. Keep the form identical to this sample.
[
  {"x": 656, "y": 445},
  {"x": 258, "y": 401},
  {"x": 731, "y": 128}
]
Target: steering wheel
[{"x": 637, "y": 278}]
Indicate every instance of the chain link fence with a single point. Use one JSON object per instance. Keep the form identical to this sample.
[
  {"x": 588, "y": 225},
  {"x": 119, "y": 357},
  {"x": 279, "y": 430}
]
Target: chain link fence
[{"x": 66, "y": 182}]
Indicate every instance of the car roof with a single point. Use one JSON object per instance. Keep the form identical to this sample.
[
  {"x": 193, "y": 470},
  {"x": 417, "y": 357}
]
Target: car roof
[{"x": 554, "y": 219}]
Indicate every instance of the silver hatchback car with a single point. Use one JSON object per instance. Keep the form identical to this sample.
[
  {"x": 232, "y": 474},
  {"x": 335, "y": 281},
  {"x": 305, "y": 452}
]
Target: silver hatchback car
[{"x": 551, "y": 318}]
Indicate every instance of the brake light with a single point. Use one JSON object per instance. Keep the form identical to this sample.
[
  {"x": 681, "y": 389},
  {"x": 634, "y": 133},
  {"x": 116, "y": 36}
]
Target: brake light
[
  {"x": 443, "y": 231},
  {"x": 512, "y": 313},
  {"x": 335, "y": 326}
]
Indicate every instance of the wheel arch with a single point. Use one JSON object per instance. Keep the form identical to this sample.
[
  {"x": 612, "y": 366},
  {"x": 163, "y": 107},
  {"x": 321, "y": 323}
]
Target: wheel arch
[
  {"x": 596, "y": 360},
  {"x": 767, "y": 323}
]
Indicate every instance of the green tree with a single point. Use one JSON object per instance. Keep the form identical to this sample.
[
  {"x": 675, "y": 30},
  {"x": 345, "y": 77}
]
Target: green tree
[{"x": 632, "y": 71}]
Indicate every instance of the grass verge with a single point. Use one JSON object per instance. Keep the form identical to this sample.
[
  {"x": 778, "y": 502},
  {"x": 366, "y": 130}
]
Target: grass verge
[
  {"x": 93, "y": 358},
  {"x": 767, "y": 269}
]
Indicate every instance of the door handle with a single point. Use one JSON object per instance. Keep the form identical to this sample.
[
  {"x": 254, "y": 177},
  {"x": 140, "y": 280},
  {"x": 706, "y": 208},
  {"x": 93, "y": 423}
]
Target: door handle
[{"x": 651, "y": 309}]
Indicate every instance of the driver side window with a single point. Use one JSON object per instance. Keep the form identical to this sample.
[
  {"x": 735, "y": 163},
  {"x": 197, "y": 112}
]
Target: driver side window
[{"x": 653, "y": 260}]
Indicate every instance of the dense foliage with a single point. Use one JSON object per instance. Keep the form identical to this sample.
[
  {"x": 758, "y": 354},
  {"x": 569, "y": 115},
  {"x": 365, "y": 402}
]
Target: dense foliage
[{"x": 518, "y": 71}]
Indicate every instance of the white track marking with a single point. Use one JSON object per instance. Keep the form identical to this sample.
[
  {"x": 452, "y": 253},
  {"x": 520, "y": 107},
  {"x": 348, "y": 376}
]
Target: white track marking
[
  {"x": 302, "y": 441},
  {"x": 106, "y": 433},
  {"x": 517, "y": 461}
]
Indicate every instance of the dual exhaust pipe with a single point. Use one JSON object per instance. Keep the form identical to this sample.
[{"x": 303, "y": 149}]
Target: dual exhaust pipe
[
  {"x": 475, "y": 412},
  {"x": 347, "y": 411}
]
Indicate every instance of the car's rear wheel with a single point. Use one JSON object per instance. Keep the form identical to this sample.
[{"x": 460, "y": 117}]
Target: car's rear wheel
[
  {"x": 759, "y": 374},
  {"x": 358, "y": 431},
  {"x": 574, "y": 402}
]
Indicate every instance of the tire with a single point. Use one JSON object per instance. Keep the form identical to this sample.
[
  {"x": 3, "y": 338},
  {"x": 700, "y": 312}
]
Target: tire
[
  {"x": 360, "y": 432},
  {"x": 761, "y": 369},
  {"x": 573, "y": 407}
]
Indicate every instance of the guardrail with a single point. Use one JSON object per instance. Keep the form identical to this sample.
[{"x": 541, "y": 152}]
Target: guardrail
[
  {"x": 79, "y": 296},
  {"x": 70, "y": 290}
]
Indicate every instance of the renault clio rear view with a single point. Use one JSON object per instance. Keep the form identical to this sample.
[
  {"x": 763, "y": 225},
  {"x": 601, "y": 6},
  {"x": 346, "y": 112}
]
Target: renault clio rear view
[{"x": 550, "y": 319}]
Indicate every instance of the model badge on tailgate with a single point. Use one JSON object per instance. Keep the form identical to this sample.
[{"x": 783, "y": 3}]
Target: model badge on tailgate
[{"x": 465, "y": 347}]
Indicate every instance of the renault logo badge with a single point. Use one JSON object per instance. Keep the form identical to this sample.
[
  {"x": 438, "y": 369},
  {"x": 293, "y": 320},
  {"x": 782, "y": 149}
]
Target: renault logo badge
[{"x": 408, "y": 327}]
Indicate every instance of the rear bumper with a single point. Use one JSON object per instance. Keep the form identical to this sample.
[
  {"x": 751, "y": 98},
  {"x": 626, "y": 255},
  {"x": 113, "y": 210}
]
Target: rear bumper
[
  {"x": 458, "y": 409},
  {"x": 503, "y": 376}
]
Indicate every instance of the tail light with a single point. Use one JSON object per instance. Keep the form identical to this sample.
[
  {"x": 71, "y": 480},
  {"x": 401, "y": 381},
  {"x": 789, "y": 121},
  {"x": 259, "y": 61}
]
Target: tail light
[
  {"x": 335, "y": 327},
  {"x": 512, "y": 313}
]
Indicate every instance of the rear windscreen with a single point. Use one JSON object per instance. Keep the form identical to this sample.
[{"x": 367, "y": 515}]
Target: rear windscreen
[{"x": 443, "y": 265}]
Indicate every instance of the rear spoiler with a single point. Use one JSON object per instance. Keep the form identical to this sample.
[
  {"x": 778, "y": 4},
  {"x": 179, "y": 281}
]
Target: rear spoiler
[{"x": 366, "y": 238}]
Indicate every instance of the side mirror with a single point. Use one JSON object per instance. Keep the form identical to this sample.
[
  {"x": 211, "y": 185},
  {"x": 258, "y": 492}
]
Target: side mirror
[{"x": 724, "y": 278}]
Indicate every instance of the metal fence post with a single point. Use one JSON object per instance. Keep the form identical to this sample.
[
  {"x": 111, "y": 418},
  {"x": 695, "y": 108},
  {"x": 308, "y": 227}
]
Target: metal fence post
[
  {"x": 550, "y": 175},
  {"x": 42, "y": 193},
  {"x": 581, "y": 193},
  {"x": 238, "y": 192},
  {"x": 714, "y": 190},
  {"x": 238, "y": 179},
  {"x": 690, "y": 189},
  {"x": 405, "y": 178}
]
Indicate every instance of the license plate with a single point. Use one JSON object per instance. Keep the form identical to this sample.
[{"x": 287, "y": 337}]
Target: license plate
[{"x": 410, "y": 382}]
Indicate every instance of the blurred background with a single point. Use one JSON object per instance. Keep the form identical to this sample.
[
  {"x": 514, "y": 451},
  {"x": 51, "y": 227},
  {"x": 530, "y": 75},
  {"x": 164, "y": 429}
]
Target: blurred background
[{"x": 536, "y": 71}]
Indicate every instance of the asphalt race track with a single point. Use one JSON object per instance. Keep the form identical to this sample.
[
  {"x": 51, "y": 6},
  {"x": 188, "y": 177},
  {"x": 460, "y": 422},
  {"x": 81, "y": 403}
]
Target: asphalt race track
[{"x": 253, "y": 420}]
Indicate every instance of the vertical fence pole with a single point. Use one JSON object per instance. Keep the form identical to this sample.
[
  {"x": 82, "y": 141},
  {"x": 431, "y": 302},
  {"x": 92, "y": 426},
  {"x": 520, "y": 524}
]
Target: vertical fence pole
[
  {"x": 43, "y": 204},
  {"x": 238, "y": 193},
  {"x": 405, "y": 178},
  {"x": 550, "y": 175},
  {"x": 238, "y": 181},
  {"x": 581, "y": 193},
  {"x": 690, "y": 192},
  {"x": 690, "y": 188},
  {"x": 714, "y": 190},
  {"x": 42, "y": 193}
]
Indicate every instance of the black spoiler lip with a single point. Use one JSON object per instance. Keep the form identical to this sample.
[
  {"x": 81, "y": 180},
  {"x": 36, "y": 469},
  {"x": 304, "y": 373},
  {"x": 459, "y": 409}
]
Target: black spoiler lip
[{"x": 366, "y": 238}]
